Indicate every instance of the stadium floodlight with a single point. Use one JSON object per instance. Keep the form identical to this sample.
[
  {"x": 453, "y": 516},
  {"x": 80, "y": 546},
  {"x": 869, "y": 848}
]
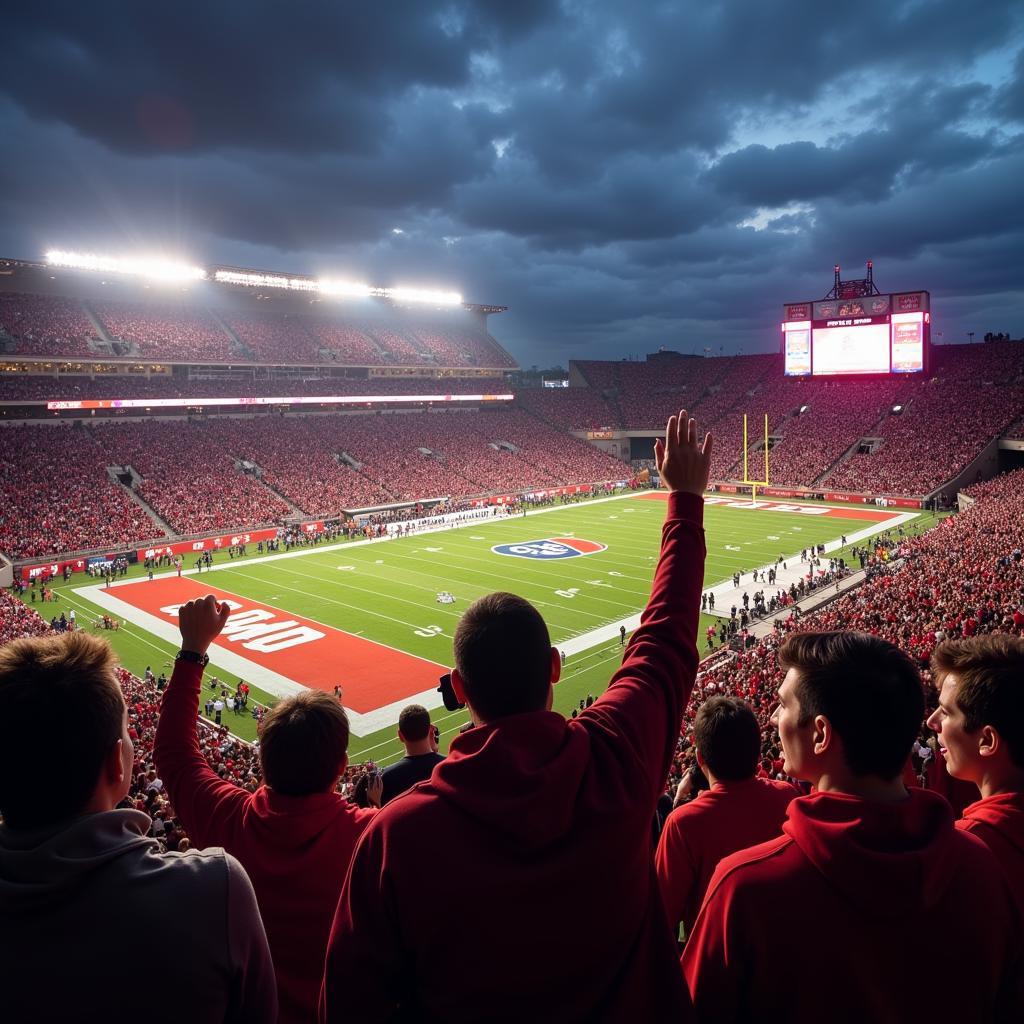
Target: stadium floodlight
[
  {"x": 344, "y": 289},
  {"x": 435, "y": 298},
  {"x": 152, "y": 268},
  {"x": 256, "y": 280}
]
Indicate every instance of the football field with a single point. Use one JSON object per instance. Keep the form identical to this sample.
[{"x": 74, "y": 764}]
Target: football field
[{"x": 377, "y": 617}]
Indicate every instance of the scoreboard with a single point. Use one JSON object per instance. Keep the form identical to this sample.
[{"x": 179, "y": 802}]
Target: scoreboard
[{"x": 872, "y": 334}]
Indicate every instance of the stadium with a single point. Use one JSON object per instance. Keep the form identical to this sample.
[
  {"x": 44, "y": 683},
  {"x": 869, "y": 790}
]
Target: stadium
[{"x": 350, "y": 468}]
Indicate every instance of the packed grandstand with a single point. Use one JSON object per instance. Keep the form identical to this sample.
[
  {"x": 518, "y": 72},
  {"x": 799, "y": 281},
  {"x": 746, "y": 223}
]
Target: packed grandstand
[{"x": 305, "y": 416}]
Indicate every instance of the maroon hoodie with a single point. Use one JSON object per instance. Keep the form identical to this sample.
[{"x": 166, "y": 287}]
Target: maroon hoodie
[
  {"x": 295, "y": 848},
  {"x": 517, "y": 883},
  {"x": 858, "y": 912},
  {"x": 998, "y": 822}
]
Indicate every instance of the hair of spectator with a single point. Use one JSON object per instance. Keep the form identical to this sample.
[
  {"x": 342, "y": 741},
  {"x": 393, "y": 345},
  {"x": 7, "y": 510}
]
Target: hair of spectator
[
  {"x": 990, "y": 684},
  {"x": 303, "y": 743},
  {"x": 63, "y": 687},
  {"x": 728, "y": 738},
  {"x": 867, "y": 688},
  {"x": 503, "y": 654},
  {"x": 413, "y": 722}
]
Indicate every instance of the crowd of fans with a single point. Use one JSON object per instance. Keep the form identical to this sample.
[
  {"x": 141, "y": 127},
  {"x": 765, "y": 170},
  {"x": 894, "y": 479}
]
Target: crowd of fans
[
  {"x": 588, "y": 816},
  {"x": 59, "y": 496},
  {"x": 570, "y": 408},
  {"x": 181, "y": 465},
  {"x": 56, "y": 495},
  {"x": 961, "y": 579},
  {"x": 814, "y": 423},
  {"x": 175, "y": 333},
  {"x": 47, "y": 325},
  {"x": 452, "y": 347},
  {"x": 275, "y": 338},
  {"x": 57, "y": 326}
]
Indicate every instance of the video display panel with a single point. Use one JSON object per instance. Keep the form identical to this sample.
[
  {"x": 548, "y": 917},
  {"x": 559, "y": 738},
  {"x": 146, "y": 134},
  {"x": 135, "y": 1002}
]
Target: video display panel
[
  {"x": 907, "y": 342},
  {"x": 798, "y": 348},
  {"x": 850, "y": 349},
  {"x": 867, "y": 335}
]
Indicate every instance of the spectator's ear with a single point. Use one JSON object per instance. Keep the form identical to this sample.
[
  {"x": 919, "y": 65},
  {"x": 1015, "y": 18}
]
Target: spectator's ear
[
  {"x": 460, "y": 690},
  {"x": 556, "y": 666}
]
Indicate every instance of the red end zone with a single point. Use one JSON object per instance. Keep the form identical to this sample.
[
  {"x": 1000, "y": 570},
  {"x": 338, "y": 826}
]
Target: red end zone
[
  {"x": 300, "y": 649},
  {"x": 873, "y": 515}
]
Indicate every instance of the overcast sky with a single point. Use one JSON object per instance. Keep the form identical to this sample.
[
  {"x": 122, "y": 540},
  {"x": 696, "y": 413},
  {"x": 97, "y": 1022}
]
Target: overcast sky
[{"x": 622, "y": 176}]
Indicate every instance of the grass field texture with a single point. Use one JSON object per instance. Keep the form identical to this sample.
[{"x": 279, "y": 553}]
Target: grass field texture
[{"x": 387, "y": 592}]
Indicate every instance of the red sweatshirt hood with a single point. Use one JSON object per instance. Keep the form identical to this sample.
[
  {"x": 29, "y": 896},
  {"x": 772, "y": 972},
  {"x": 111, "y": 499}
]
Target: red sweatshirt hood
[
  {"x": 1004, "y": 812},
  {"x": 286, "y": 823},
  {"x": 522, "y": 776},
  {"x": 888, "y": 859}
]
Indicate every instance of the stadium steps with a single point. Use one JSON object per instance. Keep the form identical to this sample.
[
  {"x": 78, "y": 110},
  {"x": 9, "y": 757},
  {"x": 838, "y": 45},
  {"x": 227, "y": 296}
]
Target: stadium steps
[
  {"x": 101, "y": 332},
  {"x": 492, "y": 340},
  {"x": 613, "y": 404},
  {"x": 115, "y": 473},
  {"x": 236, "y": 342},
  {"x": 277, "y": 492},
  {"x": 385, "y": 353},
  {"x": 873, "y": 431}
]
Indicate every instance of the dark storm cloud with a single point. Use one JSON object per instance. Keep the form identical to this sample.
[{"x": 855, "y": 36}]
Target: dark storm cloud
[
  {"x": 310, "y": 78},
  {"x": 1010, "y": 101},
  {"x": 621, "y": 177}
]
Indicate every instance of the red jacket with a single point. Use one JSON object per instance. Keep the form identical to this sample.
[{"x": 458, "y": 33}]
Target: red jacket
[
  {"x": 730, "y": 816},
  {"x": 861, "y": 911},
  {"x": 998, "y": 822},
  {"x": 517, "y": 883},
  {"x": 295, "y": 849}
]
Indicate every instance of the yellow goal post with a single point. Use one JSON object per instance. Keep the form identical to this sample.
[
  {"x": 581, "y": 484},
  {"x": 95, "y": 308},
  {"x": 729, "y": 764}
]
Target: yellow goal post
[{"x": 754, "y": 484}]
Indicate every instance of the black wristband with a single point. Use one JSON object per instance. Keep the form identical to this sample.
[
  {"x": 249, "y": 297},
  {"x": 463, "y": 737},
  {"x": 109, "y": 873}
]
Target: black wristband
[{"x": 202, "y": 660}]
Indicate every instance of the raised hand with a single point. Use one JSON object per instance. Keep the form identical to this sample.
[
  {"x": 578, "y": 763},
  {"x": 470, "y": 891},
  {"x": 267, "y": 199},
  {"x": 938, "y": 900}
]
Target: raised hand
[
  {"x": 200, "y": 622},
  {"x": 683, "y": 465}
]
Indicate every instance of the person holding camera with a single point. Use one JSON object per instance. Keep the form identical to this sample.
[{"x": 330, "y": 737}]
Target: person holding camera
[
  {"x": 294, "y": 835},
  {"x": 529, "y": 808}
]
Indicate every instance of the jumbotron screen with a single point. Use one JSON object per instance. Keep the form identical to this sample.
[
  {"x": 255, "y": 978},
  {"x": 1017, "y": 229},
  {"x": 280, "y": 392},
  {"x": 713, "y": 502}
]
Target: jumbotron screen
[{"x": 878, "y": 334}]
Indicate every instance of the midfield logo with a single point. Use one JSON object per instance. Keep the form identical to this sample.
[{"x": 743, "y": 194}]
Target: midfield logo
[{"x": 550, "y": 548}]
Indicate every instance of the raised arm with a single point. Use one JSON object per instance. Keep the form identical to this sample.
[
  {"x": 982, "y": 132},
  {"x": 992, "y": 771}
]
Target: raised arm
[
  {"x": 639, "y": 714},
  {"x": 207, "y": 805}
]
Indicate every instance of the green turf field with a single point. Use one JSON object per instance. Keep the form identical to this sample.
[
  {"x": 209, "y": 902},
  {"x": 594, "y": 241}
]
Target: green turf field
[{"x": 387, "y": 592}]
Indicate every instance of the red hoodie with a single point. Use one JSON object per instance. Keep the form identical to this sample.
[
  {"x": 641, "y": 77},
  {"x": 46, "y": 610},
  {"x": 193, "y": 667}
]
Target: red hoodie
[
  {"x": 536, "y": 832},
  {"x": 730, "y": 816},
  {"x": 998, "y": 822},
  {"x": 860, "y": 911},
  {"x": 295, "y": 849}
]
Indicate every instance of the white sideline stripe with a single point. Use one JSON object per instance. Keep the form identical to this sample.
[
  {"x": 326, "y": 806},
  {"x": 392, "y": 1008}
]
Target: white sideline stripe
[
  {"x": 387, "y": 715},
  {"x": 727, "y": 595}
]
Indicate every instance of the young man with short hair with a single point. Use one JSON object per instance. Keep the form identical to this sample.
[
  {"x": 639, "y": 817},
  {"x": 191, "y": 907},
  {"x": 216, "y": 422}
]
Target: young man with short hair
[
  {"x": 79, "y": 879},
  {"x": 738, "y": 810},
  {"x": 529, "y": 808},
  {"x": 871, "y": 897},
  {"x": 417, "y": 736},
  {"x": 294, "y": 835},
  {"x": 980, "y": 726}
]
